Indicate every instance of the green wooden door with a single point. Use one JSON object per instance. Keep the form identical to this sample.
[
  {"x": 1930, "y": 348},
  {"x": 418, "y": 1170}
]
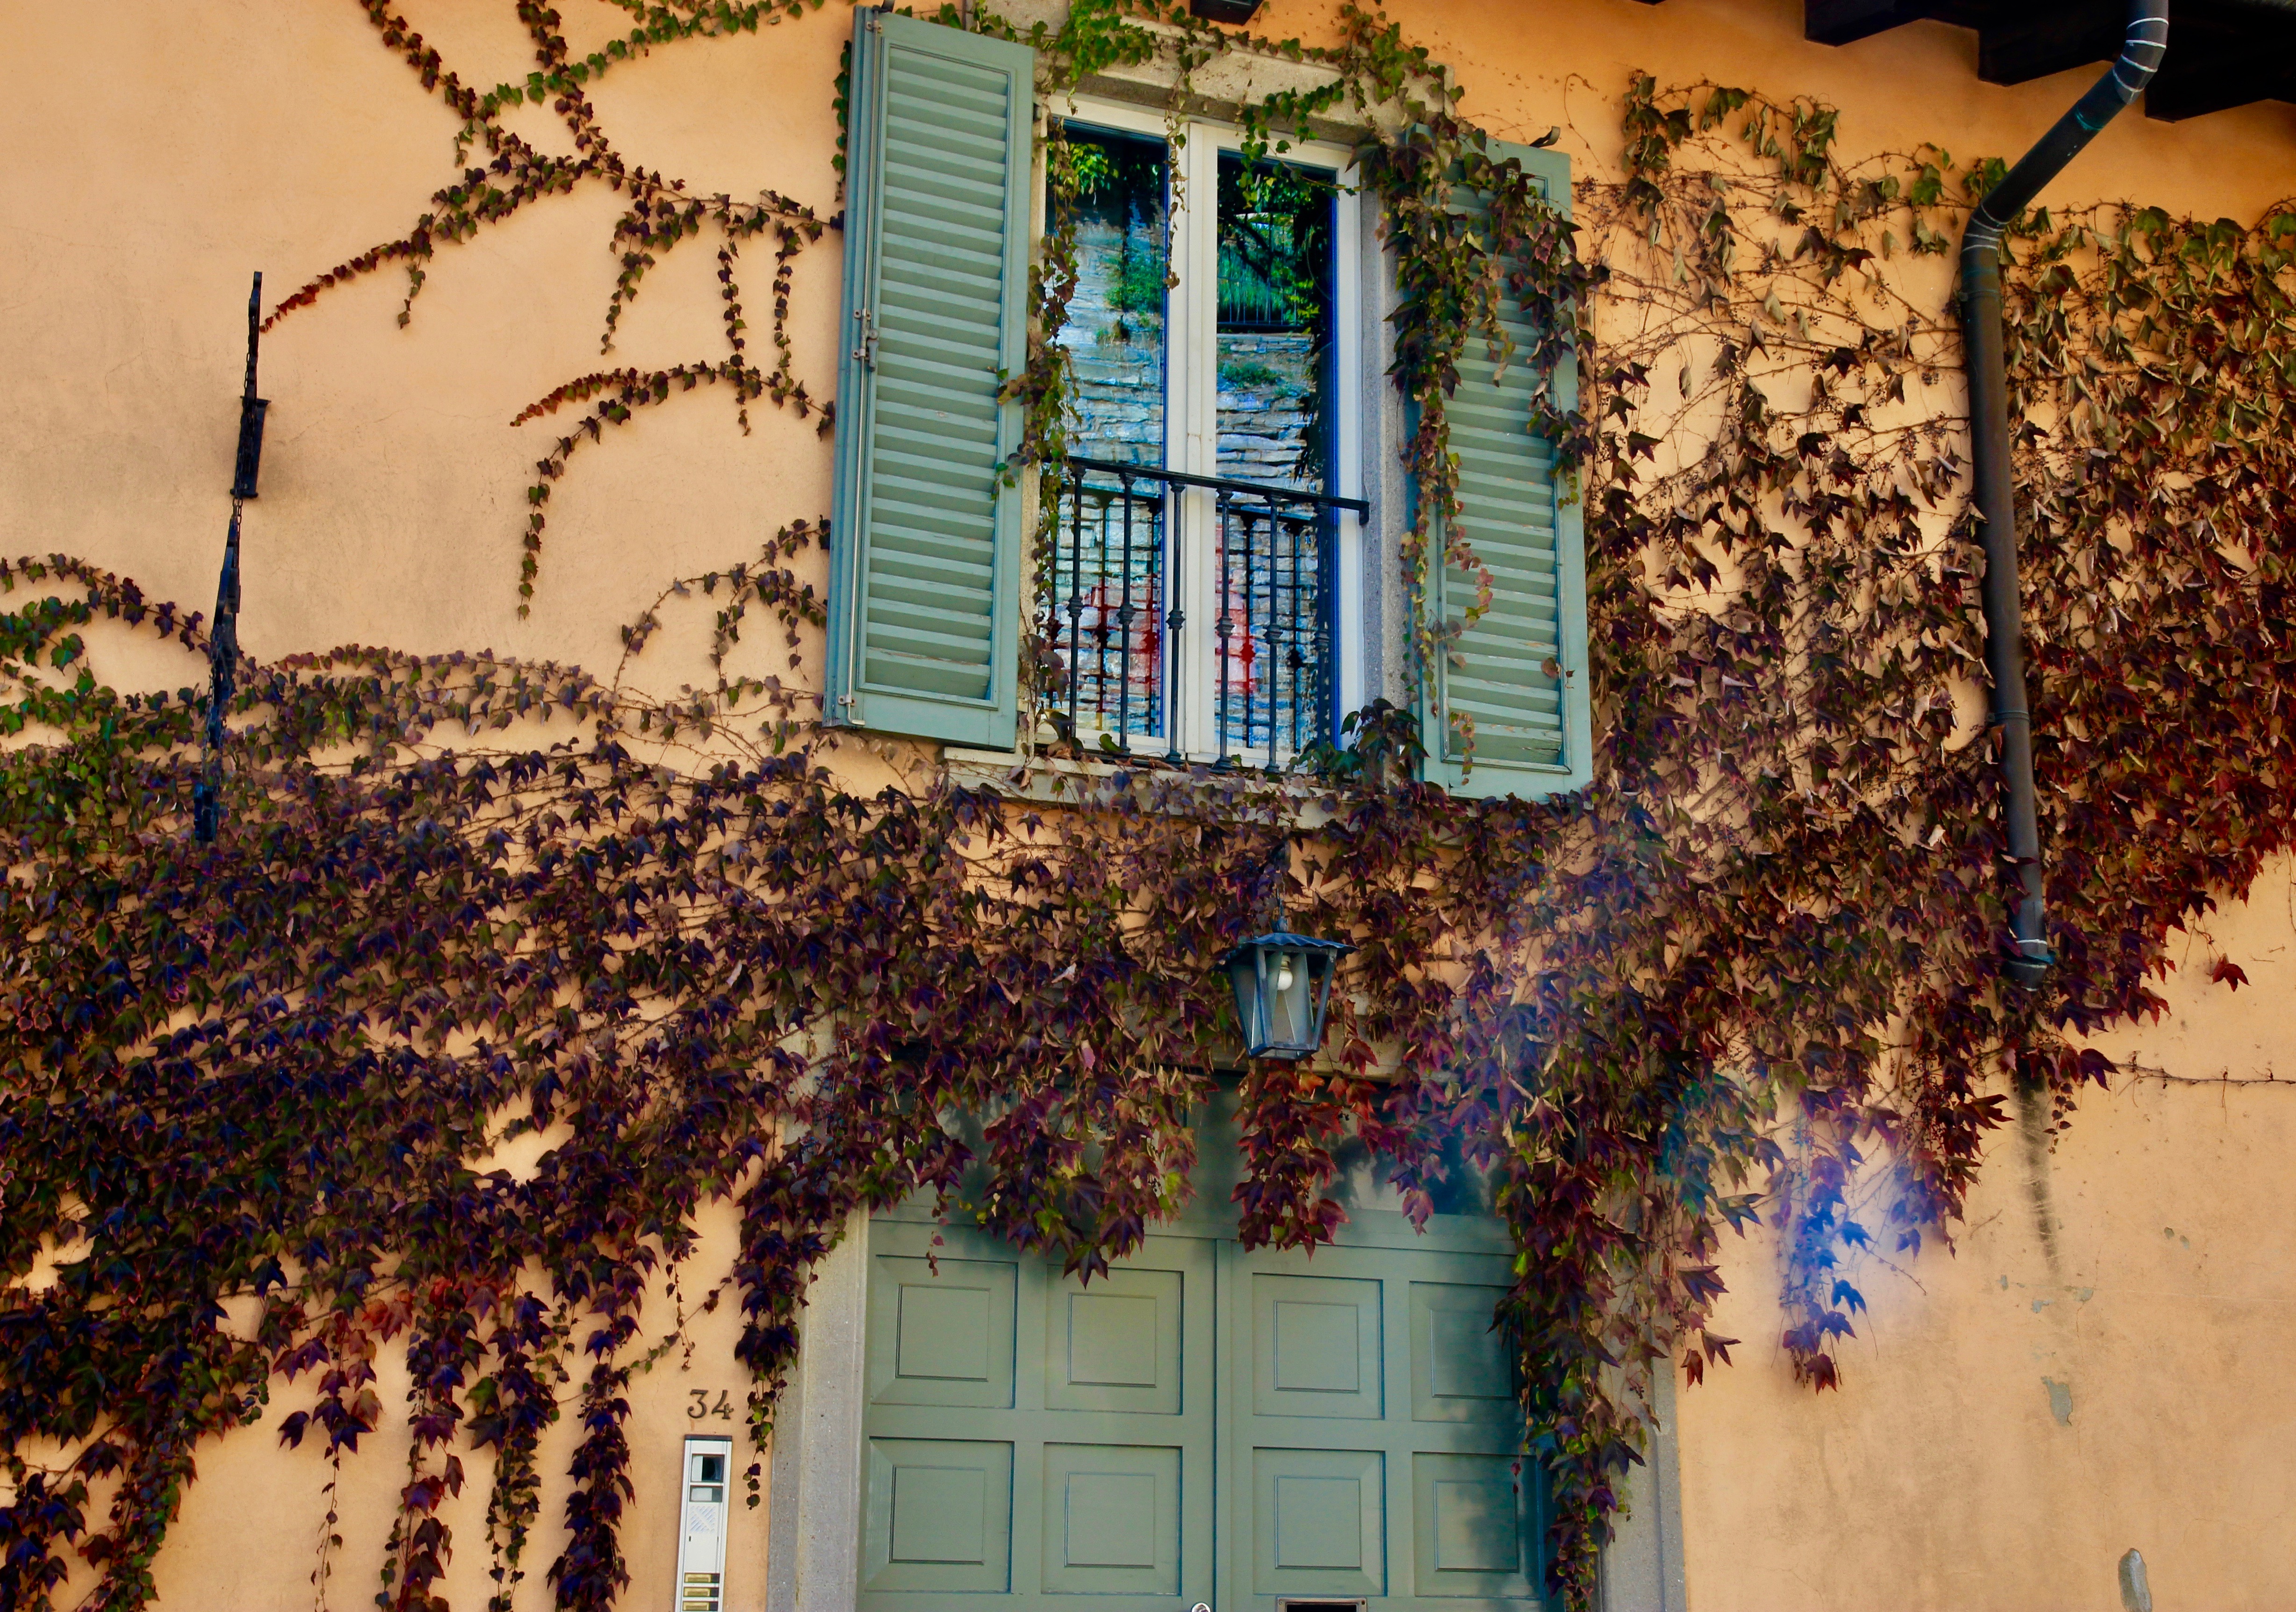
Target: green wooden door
[{"x": 1209, "y": 1424}]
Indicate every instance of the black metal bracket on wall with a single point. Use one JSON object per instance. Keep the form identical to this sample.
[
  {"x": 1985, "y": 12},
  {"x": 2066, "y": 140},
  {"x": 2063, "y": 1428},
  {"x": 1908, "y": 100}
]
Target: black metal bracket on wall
[{"x": 223, "y": 636}]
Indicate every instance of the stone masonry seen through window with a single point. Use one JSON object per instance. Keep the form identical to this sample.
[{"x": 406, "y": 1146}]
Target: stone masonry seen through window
[{"x": 1194, "y": 594}]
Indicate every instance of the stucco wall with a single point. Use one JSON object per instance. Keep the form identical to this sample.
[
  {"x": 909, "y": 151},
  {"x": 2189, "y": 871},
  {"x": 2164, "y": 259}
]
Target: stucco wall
[
  {"x": 248, "y": 1535},
  {"x": 162, "y": 157},
  {"x": 161, "y": 152},
  {"x": 2100, "y": 1364}
]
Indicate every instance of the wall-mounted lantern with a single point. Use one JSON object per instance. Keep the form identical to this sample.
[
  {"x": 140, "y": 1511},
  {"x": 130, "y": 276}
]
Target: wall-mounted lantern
[
  {"x": 1282, "y": 983},
  {"x": 1233, "y": 13}
]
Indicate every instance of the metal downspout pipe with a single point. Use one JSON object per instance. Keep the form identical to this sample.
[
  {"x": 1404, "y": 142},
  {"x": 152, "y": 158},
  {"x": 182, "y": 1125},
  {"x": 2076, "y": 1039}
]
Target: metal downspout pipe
[{"x": 2146, "y": 42}]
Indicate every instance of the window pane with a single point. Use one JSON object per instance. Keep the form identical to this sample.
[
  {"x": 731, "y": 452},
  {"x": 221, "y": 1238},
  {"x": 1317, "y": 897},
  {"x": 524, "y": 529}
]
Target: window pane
[
  {"x": 1115, "y": 328},
  {"x": 1275, "y": 322},
  {"x": 1275, "y": 354},
  {"x": 1108, "y": 558}
]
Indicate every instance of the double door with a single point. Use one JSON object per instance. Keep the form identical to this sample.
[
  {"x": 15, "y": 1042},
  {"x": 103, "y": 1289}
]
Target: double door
[{"x": 1205, "y": 1425}]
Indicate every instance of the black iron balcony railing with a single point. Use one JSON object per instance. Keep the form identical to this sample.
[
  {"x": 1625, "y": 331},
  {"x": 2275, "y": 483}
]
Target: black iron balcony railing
[{"x": 1121, "y": 629}]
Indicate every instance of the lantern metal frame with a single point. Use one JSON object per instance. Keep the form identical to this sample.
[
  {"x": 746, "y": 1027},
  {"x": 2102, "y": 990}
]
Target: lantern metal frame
[{"x": 1248, "y": 964}]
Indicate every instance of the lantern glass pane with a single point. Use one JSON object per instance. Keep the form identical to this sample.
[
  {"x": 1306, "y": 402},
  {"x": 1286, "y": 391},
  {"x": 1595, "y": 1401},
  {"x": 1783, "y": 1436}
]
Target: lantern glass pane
[
  {"x": 1290, "y": 999},
  {"x": 1244, "y": 975}
]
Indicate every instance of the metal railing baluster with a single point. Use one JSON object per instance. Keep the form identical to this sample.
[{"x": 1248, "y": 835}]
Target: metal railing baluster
[
  {"x": 1076, "y": 599},
  {"x": 1225, "y": 624},
  {"x": 1273, "y": 631},
  {"x": 1100, "y": 617},
  {"x": 1176, "y": 620},
  {"x": 1283, "y": 633},
  {"x": 1254, "y": 628},
  {"x": 1124, "y": 635}
]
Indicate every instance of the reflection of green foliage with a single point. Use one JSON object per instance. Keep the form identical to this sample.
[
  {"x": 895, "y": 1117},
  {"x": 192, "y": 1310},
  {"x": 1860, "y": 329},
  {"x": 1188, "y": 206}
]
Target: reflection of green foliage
[
  {"x": 1276, "y": 275},
  {"x": 1120, "y": 182},
  {"x": 1254, "y": 287},
  {"x": 1096, "y": 171},
  {"x": 1140, "y": 280},
  {"x": 1241, "y": 373},
  {"x": 1120, "y": 178},
  {"x": 1275, "y": 246}
]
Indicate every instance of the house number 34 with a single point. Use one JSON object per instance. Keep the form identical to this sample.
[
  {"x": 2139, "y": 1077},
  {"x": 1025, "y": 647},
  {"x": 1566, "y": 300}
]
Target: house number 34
[{"x": 702, "y": 1407}]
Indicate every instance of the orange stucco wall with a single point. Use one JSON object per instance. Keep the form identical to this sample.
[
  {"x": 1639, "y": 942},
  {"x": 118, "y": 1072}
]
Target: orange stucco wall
[
  {"x": 2098, "y": 1365},
  {"x": 2144, "y": 1266}
]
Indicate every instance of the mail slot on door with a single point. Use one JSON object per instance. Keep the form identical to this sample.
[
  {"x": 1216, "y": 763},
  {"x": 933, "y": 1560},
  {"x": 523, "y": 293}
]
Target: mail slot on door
[
  {"x": 701, "y": 1530},
  {"x": 1315, "y": 1603}
]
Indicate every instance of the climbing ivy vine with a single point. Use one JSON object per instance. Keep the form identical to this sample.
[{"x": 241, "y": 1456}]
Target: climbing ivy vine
[{"x": 248, "y": 1089}]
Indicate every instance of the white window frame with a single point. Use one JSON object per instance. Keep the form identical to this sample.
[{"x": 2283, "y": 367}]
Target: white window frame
[{"x": 1191, "y": 405}]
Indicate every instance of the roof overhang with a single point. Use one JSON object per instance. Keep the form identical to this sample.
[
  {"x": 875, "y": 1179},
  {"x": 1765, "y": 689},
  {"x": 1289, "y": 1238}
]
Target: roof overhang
[{"x": 2221, "y": 52}]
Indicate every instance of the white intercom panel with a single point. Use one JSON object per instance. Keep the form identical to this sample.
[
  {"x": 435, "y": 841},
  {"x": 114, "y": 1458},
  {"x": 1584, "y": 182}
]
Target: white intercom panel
[{"x": 702, "y": 1526}]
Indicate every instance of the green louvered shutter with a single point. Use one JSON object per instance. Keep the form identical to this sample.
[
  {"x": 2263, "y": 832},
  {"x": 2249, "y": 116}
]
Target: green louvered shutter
[
  {"x": 924, "y": 543},
  {"x": 1521, "y": 672}
]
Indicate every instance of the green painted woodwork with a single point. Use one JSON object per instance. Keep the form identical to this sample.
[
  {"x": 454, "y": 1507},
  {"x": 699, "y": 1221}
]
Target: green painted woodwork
[
  {"x": 1111, "y": 1519},
  {"x": 939, "y": 1515},
  {"x": 1519, "y": 672},
  {"x": 1116, "y": 1346},
  {"x": 1468, "y": 1526},
  {"x": 1098, "y": 1402},
  {"x": 949, "y": 1332},
  {"x": 1470, "y": 1373},
  {"x": 1319, "y": 1347},
  {"x": 1207, "y": 1423},
  {"x": 1375, "y": 1432},
  {"x": 1318, "y": 1522},
  {"x": 925, "y": 541}
]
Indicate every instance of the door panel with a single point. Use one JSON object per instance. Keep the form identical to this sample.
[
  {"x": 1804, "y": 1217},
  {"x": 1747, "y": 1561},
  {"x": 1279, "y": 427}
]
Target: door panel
[
  {"x": 1461, "y": 1367},
  {"x": 942, "y": 1338},
  {"x": 1472, "y": 1529},
  {"x": 1319, "y": 1522},
  {"x": 1204, "y": 1423},
  {"x": 1321, "y": 1351},
  {"x": 1375, "y": 1446},
  {"x": 1100, "y": 1397},
  {"x": 1116, "y": 1344},
  {"x": 1111, "y": 1519},
  {"x": 939, "y": 1515}
]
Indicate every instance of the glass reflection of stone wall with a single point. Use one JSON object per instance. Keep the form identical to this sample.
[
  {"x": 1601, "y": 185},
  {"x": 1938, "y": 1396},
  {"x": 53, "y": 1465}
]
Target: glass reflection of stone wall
[
  {"x": 1266, "y": 390},
  {"x": 1115, "y": 337}
]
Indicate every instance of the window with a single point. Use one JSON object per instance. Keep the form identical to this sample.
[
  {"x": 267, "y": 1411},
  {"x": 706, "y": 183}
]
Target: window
[
  {"x": 1206, "y": 577},
  {"x": 1199, "y": 559}
]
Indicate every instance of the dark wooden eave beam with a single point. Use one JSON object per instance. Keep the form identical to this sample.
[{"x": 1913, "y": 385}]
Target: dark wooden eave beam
[
  {"x": 2224, "y": 55},
  {"x": 1847, "y": 22},
  {"x": 2221, "y": 52},
  {"x": 2032, "y": 42}
]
